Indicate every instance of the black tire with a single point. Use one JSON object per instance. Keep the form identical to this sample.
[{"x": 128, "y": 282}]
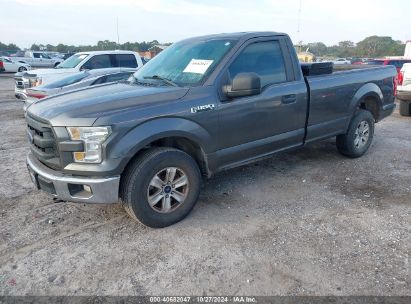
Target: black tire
[
  {"x": 405, "y": 108},
  {"x": 22, "y": 69},
  {"x": 56, "y": 64},
  {"x": 350, "y": 144},
  {"x": 135, "y": 185}
]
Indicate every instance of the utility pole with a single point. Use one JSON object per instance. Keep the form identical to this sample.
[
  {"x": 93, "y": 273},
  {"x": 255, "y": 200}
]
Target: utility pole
[
  {"x": 299, "y": 26},
  {"x": 118, "y": 36}
]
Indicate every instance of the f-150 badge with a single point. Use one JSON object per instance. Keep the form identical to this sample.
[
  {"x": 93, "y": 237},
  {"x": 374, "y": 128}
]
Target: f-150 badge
[{"x": 202, "y": 108}]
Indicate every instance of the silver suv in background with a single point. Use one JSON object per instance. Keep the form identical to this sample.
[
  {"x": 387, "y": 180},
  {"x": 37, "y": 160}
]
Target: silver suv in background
[
  {"x": 83, "y": 61},
  {"x": 75, "y": 81}
]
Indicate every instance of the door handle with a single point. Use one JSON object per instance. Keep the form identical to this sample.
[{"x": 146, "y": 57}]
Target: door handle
[{"x": 286, "y": 99}]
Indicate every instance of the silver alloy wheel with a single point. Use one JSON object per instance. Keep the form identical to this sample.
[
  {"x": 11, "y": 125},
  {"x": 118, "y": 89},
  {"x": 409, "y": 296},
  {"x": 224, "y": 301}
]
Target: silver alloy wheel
[
  {"x": 167, "y": 190},
  {"x": 362, "y": 133}
]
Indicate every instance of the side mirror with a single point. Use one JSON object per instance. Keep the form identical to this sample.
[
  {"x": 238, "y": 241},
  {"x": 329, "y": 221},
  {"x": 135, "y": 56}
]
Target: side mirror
[{"x": 244, "y": 84}]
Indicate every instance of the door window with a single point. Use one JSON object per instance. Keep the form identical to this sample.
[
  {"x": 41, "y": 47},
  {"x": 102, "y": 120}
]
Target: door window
[
  {"x": 263, "y": 58},
  {"x": 126, "y": 61},
  {"x": 98, "y": 62},
  {"x": 45, "y": 56}
]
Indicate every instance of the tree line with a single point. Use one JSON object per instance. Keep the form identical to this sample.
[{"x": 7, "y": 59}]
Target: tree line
[
  {"x": 373, "y": 46},
  {"x": 100, "y": 46}
]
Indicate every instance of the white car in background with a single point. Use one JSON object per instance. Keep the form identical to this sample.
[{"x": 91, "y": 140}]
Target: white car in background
[
  {"x": 341, "y": 61},
  {"x": 76, "y": 81},
  {"x": 404, "y": 90},
  {"x": 83, "y": 61},
  {"x": 14, "y": 66}
]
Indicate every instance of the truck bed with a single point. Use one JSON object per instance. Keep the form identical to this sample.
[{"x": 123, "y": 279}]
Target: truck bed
[{"x": 332, "y": 96}]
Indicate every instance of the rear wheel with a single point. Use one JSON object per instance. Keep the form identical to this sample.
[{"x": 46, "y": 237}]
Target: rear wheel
[
  {"x": 359, "y": 136},
  {"x": 405, "y": 108},
  {"x": 160, "y": 187}
]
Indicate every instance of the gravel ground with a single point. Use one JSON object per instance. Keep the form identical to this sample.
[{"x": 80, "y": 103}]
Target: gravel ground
[{"x": 307, "y": 222}]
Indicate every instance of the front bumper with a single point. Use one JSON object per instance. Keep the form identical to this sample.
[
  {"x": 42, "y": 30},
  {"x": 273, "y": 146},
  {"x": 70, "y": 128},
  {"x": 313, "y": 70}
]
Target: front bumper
[
  {"x": 70, "y": 188},
  {"x": 20, "y": 94}
]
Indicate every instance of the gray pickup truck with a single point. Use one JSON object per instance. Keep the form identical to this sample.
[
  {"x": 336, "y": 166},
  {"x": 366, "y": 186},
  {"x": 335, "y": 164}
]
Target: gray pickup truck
[{"x": 203, "y": 105}]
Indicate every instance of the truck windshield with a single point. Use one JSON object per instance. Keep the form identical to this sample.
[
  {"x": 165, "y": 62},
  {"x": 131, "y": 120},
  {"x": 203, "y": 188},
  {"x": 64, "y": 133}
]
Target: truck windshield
[
  {"x": 68, "y": 80},
  {"x": 185, "y": 63},
  {"x": 72, "y": 61}
]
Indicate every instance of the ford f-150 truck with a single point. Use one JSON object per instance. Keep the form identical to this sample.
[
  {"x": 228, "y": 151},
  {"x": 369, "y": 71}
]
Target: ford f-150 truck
[{"x": 203, "y": 105}]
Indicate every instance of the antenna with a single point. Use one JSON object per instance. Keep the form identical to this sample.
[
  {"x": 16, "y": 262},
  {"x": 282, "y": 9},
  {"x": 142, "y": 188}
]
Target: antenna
[
  {"x": 299, "y": 23},
  {"x": 118, "y": 36}
]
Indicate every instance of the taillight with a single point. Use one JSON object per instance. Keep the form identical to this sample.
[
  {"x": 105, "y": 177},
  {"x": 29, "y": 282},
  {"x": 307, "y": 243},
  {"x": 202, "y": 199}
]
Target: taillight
[
  {"x": 400, "y": 78},
  {"x": 395, "y": 85},
  {"x": 36, "y": 95}
]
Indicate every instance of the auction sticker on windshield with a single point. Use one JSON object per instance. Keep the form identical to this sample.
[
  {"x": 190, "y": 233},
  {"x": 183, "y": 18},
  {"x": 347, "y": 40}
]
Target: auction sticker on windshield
[{"x": 198, "y": 66}]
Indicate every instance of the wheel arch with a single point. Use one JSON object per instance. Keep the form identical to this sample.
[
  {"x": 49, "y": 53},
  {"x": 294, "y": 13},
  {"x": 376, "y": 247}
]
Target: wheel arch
[
  {"x": 176, "y": 133},
  {"x": 369, "y": 97}
]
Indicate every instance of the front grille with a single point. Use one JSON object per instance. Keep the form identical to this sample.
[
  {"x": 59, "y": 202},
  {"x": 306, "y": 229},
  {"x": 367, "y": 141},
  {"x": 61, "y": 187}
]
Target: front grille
[
  {"x": 42, "y": 142},
  {"x": 20, "y": 83}
]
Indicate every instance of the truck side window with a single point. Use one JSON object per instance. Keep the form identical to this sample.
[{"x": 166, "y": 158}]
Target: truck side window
[
  {"x": 98, "y": 62},
  {"x": 126, "y": 61},
  {"x": 263, "y": 58},
  {"x": 36, "y": 55}
]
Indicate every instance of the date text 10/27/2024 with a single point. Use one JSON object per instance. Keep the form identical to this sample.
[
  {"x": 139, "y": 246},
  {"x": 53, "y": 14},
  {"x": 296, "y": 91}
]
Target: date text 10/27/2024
[{"x": 203, "y": 299}]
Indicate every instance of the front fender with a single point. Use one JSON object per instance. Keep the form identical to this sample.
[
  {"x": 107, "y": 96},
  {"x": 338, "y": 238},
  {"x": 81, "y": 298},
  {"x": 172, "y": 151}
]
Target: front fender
[{"x": 144, "y": 134}]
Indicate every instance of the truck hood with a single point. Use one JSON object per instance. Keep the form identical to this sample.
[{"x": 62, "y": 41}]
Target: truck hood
[
  {"x": 44, "y": 72},
  {"x": 50, "y": 75},
  {"x": 84, "y": 106}
]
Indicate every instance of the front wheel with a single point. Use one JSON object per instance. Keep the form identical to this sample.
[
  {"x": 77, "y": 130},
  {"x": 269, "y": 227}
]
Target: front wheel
[
  {"x": 359, "y": 136},
  {"x": 22, "y": 69},
  {"x": 160, "y": 187}
]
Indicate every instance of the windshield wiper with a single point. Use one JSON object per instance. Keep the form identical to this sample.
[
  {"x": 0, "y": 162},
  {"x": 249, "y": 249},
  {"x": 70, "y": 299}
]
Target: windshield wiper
[{"x": 166, "y": 80}]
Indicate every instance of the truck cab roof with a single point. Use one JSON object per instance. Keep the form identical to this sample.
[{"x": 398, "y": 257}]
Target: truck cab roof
[
  {"x": 107, "y": 52},
  {"x": 243, "y": 36}
]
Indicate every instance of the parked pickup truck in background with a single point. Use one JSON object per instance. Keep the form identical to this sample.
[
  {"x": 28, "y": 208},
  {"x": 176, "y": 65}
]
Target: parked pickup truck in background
[
  {"x": 202, "y": 105},
  {"x": 38, "y": 59},
  {"x": 404, "y": 90},
  {"x": 78, "y": 62}
]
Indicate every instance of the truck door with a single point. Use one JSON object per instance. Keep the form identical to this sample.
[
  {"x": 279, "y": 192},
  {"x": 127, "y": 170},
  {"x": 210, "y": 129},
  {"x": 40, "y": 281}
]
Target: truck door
[
  {"x": 37, "y": 60},
  {"x": 47, "y": 61},
  {"x": 273, "y": 120}
]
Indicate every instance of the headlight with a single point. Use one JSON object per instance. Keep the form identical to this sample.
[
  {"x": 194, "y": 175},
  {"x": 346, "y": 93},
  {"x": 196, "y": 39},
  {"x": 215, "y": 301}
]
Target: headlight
[
  {"x": 92, "y": 137},
  {"x": 34, "y": 81}
]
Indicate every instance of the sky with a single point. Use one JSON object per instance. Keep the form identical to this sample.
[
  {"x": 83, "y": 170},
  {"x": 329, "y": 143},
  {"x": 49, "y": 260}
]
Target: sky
[{"x": 82, "y": 22}]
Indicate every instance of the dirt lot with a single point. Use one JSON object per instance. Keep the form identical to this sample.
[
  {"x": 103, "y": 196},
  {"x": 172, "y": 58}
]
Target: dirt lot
[{"x": 307, "y": 222}]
